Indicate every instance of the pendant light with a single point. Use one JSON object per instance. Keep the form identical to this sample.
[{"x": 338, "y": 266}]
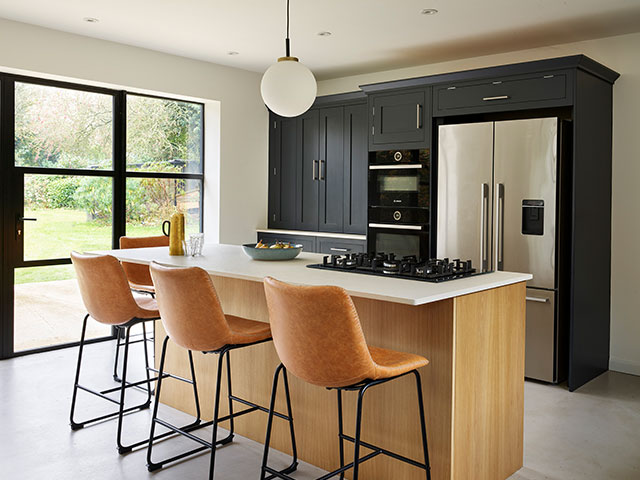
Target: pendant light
[{"x": 288, "y": 87}]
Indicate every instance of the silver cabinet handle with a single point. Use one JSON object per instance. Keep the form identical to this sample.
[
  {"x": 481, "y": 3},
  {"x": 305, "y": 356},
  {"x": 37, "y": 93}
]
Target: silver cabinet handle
[
  {"x": 499, "y": 220},
  {"x": 315, "y": 169},
  {"x": 322, "y": 170},
  {"x": 536, "y": 299},
  {"x": 395, "y": 167},
  {"x": 499, "y": 97},
  {"x": 336, "y": 249},
  {"x": 484, "y": 194},
  {"x": 418, "y": 116},
  {"x": 395, "y": 226}
]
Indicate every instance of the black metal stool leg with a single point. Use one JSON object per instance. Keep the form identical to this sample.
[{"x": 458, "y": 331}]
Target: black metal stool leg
[
  {"x": 423, "y": 424},
  {"x": 117, "y": 356},
  {"x": 272, "y": 407},
  {"x": 216, "y": 411},
  {"x": 294, "y": 463},
  {"x": 356, "y": 443},
  {"x": 150, "y": 465},
  {"x": 196, "y": 397},
  {"x": 229, "y": 396},
  {"x": 125, "y": 365},
  {"x": 74, "y": 425},
  {"x": 340, "y": 432},
  {"x": 147, "y": 368}
]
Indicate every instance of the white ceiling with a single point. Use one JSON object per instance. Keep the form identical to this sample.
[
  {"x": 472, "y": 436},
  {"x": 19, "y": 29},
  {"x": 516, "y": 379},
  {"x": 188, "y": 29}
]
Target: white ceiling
[{"x": 368, "y": 35}]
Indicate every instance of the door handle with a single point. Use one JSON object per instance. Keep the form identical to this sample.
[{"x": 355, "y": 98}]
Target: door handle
[
  {"x": 19, "y": 221},
  {"x": 499, "y": 97},
  {"x": 336, "y": 249},
  {"x": 418, "y": 116},
  {"x": 499, "y": 236},
  {"x": 484, "y": 193},
  {"x": 536, "y": 299},
  {"x": 315, "y": 169},
  {"x": 322, "y": 170}
]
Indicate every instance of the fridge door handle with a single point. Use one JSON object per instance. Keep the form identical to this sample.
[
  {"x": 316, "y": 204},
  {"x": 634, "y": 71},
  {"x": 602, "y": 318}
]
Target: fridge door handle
[
  {"x": 484, "y": 205},
  {"x": 499, "y": 230}
]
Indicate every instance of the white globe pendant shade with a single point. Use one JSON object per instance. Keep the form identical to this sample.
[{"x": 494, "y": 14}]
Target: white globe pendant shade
[{"x": 288, "y": 87}]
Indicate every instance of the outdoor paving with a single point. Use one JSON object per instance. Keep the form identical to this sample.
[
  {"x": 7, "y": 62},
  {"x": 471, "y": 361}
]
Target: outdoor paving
[{"x": 50, "y": 313}]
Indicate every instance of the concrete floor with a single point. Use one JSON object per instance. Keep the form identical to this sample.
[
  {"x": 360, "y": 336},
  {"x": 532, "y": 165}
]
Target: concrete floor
[{"x": 590, "y": 434}]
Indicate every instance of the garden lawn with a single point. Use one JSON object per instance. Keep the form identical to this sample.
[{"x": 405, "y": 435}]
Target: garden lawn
[{"x": 57, "y": 232}]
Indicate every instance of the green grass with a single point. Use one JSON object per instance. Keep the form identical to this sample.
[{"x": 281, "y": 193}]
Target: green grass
[{"x": 57, "y": 232}]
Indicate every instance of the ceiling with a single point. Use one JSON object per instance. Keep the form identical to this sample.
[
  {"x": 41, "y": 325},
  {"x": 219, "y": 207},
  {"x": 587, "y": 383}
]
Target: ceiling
[{"x": 367, "y": 35}]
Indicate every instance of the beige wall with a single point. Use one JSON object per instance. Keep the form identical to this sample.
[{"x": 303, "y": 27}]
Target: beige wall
[
  {"x": 235, "y": 206},
  {"x": 622, "y": 54}
]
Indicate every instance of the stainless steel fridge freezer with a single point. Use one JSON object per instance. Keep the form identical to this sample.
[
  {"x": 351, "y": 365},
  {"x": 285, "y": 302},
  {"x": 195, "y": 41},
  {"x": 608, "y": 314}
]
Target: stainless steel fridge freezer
[{"x": 497, "y": 197}]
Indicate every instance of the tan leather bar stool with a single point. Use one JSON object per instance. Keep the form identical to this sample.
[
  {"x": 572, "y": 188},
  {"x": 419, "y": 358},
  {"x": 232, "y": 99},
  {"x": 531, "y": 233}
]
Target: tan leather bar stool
[
  {"x": 139, "y": 280},
  {"x": 193, "y": 319},
  {"x": 137, "y": 274},
  {"x": 108, "y": 299},
  {"x": 318, "y": 337}
]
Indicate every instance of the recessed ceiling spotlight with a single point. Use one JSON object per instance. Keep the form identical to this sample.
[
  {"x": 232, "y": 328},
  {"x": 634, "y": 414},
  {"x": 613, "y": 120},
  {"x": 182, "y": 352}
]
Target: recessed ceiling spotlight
[
  {"x": 324, "y": 34},
  {"x": 90, "y": 20},
  {"x": 428, "y": 11},
  {"x": 233, "y": 52}
]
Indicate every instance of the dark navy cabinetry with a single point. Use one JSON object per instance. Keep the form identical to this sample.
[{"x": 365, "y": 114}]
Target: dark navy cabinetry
[
  {"x": 400, "y": 119},
  {"x": 318, "y": 167}
]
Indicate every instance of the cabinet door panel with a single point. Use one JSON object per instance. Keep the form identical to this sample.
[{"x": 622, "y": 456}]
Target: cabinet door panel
[
  {"x": 355, "y": 169},
  {"x": 338, "y": 246},
  {"x": 399, "y": 118},
  {"x": 331, "y": 170},
  {"x": 282, "y": 172},
  {"x": 307, "y": 165}
]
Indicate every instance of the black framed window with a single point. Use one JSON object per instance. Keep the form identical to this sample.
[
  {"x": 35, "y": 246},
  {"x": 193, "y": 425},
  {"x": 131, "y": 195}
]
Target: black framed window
[{"x": 90, "y": 164}]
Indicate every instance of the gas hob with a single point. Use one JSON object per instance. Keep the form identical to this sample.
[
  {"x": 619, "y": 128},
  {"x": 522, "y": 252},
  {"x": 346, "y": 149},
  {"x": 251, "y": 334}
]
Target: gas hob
[{"x": 388, "y": 265}]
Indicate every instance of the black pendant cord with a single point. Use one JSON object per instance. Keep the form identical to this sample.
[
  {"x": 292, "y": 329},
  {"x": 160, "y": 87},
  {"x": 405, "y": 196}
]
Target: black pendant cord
[{"x": 286, "y": 42}]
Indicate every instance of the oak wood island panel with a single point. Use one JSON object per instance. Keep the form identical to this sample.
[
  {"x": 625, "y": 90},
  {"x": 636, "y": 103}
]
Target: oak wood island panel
[{"x": 473, "y": 386}]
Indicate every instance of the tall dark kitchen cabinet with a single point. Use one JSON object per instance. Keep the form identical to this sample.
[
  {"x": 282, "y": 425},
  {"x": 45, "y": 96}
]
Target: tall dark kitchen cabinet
[
  {"x": 578, "y": 92},
  {"x": 318, "y": 168}
]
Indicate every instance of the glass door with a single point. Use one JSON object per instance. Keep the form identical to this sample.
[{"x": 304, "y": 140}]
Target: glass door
[{"x": 60, "y": 198}]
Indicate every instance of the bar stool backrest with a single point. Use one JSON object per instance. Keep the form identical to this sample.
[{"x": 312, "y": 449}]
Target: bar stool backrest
[
  {"x": 317, "y": 334},
  {"x": 189, "y": 307},
  {"x": 137, "y": 273},
  {"x": 104, "y": 288}
]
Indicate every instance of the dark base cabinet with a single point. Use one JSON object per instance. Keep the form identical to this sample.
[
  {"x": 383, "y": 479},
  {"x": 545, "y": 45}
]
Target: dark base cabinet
[
  {"x": 328, "y": 245},
  {"x": 308, "y": 242},
  {"x": 338, "y": 246}
]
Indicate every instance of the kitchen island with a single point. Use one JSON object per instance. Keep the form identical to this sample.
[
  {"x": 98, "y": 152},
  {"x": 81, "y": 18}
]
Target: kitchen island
[{"x": 472, "y": 331}]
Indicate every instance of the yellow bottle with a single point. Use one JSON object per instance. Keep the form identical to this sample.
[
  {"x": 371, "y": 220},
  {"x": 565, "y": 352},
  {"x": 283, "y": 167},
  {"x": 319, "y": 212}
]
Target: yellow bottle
[{"x": 176, "y": 234}]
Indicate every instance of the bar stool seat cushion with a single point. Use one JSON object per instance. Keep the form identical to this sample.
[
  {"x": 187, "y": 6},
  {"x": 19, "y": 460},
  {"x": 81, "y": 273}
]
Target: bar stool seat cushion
[
  {"x": 147, "y": 307},
  {"x": 244, "y": 331},
  {"x": 142, "y": 288},
  {"x": 391, "y": 363}
]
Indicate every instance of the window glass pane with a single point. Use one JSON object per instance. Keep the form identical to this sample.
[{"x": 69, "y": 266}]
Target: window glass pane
[
  {"x": 62, "y": 128},
  {"x": 71, "y": 212},
  {"x": 150, "y": 201},
  {"x": 164, "y": 135}
]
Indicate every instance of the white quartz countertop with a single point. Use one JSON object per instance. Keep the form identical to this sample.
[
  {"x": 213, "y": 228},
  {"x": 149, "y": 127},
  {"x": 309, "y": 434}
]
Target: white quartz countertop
[{"x": 231, "y": 261}]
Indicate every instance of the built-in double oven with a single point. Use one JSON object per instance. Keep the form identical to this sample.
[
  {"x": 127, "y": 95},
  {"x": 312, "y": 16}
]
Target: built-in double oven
[{"x": 399, "y": 202}]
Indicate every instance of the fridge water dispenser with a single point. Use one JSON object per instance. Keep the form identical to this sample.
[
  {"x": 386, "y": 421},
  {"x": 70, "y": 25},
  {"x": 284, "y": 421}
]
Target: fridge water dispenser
[{"x": 533, "y": 217}]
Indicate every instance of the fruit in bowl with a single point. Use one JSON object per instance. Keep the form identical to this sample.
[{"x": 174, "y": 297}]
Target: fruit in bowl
[{"x": 276, "y": 251}]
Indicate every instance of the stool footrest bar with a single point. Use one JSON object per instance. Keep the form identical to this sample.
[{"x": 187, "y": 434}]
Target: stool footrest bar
[{"x": 389, "y": 453}]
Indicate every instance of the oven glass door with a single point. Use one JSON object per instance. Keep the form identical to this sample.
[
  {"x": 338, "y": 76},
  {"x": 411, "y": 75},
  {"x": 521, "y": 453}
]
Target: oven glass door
[
  {"x": 399, "y": 241},
  {"x": 398, "y": 187}
]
